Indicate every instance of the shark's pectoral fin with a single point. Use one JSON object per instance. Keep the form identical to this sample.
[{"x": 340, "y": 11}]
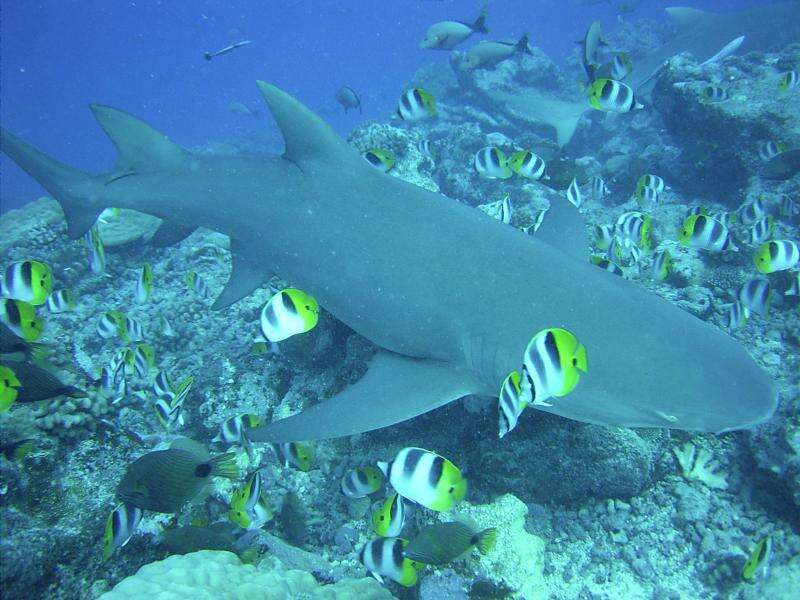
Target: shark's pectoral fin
[
  {"x": 170, "y": 233},
  {"x": 305, "y": 134},
  {"x": 245, "y": 277},
  {"x": 394, "y": 389},
  {"x": 140, "y": 147},
  {"x": 531, "y": 105}
]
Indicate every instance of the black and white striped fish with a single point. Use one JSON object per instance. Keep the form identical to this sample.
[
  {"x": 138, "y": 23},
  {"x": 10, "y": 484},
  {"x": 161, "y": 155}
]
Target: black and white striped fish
[
  {"x": 361, "y": 482},
  {"x": 491, "y": 163},
  {"x": 755, "y": 295},
  {"x": 383, "y": 557},
  {"x": 510, "y": 404}
]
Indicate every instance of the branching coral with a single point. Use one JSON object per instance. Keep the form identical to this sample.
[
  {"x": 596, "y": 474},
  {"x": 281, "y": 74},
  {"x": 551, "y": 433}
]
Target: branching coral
[{"x": 696, "y": 463}]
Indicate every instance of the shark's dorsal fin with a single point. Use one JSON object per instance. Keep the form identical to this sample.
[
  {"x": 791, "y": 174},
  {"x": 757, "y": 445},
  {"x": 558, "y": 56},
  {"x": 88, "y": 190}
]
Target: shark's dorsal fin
[
  {"x": 564, "y": 228},
  {"x": 305, "y": 134},
  {"x": 683, "y": 16},
  {"x": 246, "y": 276},
  {"x": 140, "y": 147}
]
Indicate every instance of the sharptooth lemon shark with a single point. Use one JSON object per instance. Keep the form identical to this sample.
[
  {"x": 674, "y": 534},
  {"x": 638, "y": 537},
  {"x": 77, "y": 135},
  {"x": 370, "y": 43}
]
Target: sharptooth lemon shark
[
  {"x": 699, "y": 32},
  {"x": 449, "y": 295}
]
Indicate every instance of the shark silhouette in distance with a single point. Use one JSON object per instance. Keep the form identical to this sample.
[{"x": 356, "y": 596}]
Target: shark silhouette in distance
[
  {"x": 702, "y": 34},
  {"x": 449, "y": 295}
]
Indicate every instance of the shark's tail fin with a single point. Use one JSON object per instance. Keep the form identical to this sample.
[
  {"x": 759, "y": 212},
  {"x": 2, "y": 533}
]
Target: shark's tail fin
[
  {"x": 76, "y": 191},
  {"x": 523, "y": 46},
  {"x": 479, "y": 26}
]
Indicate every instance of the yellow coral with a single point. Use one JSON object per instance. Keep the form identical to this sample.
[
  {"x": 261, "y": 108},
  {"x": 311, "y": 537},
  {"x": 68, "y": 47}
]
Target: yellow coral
[{"x": 215, "y": 575}]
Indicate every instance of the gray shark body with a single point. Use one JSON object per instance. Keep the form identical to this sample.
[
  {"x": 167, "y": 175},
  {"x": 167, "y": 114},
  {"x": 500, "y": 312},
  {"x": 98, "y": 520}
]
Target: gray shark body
[
  {"x": 703, "y": 34},
  {"x": 451, "y": 296}
]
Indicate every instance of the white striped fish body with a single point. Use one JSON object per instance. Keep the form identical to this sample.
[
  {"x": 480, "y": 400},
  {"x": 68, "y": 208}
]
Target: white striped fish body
[
  {"x": 755, "y": 295},
  {"x": 490, "y": 163},
  {"x": 708, "y": 234},
  {"x": 361, "y": 482},
  {"x": 777, "y": 255},
  {"x": 97, "y": 253},
  {"x": 60, "y": 301},
  {"x": 135, "y": 329},
  {"x": 599, "y": 189},
  {"x": 231, "y": 431},
  {"x": 506, "y": 210},
  {"x": 542, "y": 374},
  {"x": 383, "y": 557},
  {"x": 761, "y": 230},
  {"x": 574, "y": 193},
  {"x": 737, "y": 315},
  {"x": 426, "y": 478},
  {"x": 510, "y": 404}
]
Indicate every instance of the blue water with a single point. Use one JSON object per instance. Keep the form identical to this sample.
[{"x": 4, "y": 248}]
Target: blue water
[{"x": 147, "y": 58}]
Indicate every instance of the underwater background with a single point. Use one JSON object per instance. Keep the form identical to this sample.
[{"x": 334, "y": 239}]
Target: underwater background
[{"x": 123, "y": 357}]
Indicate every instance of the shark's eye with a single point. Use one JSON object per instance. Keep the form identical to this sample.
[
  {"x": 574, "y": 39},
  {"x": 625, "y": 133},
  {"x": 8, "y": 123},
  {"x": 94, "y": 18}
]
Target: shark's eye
[
  {"x": 574, "y": 362},
  {"x": 450, "y": 491}
]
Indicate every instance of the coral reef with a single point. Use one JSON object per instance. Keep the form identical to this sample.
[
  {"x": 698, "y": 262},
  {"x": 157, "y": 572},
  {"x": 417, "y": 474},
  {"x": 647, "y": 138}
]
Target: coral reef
[
  {"x": 211, "y": 575},
  {"x": 515, "y": 564},
  {"x": 697, "y": 464},
  {"x": 720, "y": 141}
]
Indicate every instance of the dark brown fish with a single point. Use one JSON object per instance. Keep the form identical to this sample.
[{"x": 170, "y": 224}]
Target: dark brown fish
[
  {"x": 442, "y": 543},
  {"x": 165, "y": 480},
  {"x": 782, "y": 166},
  {"x": 39, "y": 384},
  {"x": 10, "y": 343}
]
